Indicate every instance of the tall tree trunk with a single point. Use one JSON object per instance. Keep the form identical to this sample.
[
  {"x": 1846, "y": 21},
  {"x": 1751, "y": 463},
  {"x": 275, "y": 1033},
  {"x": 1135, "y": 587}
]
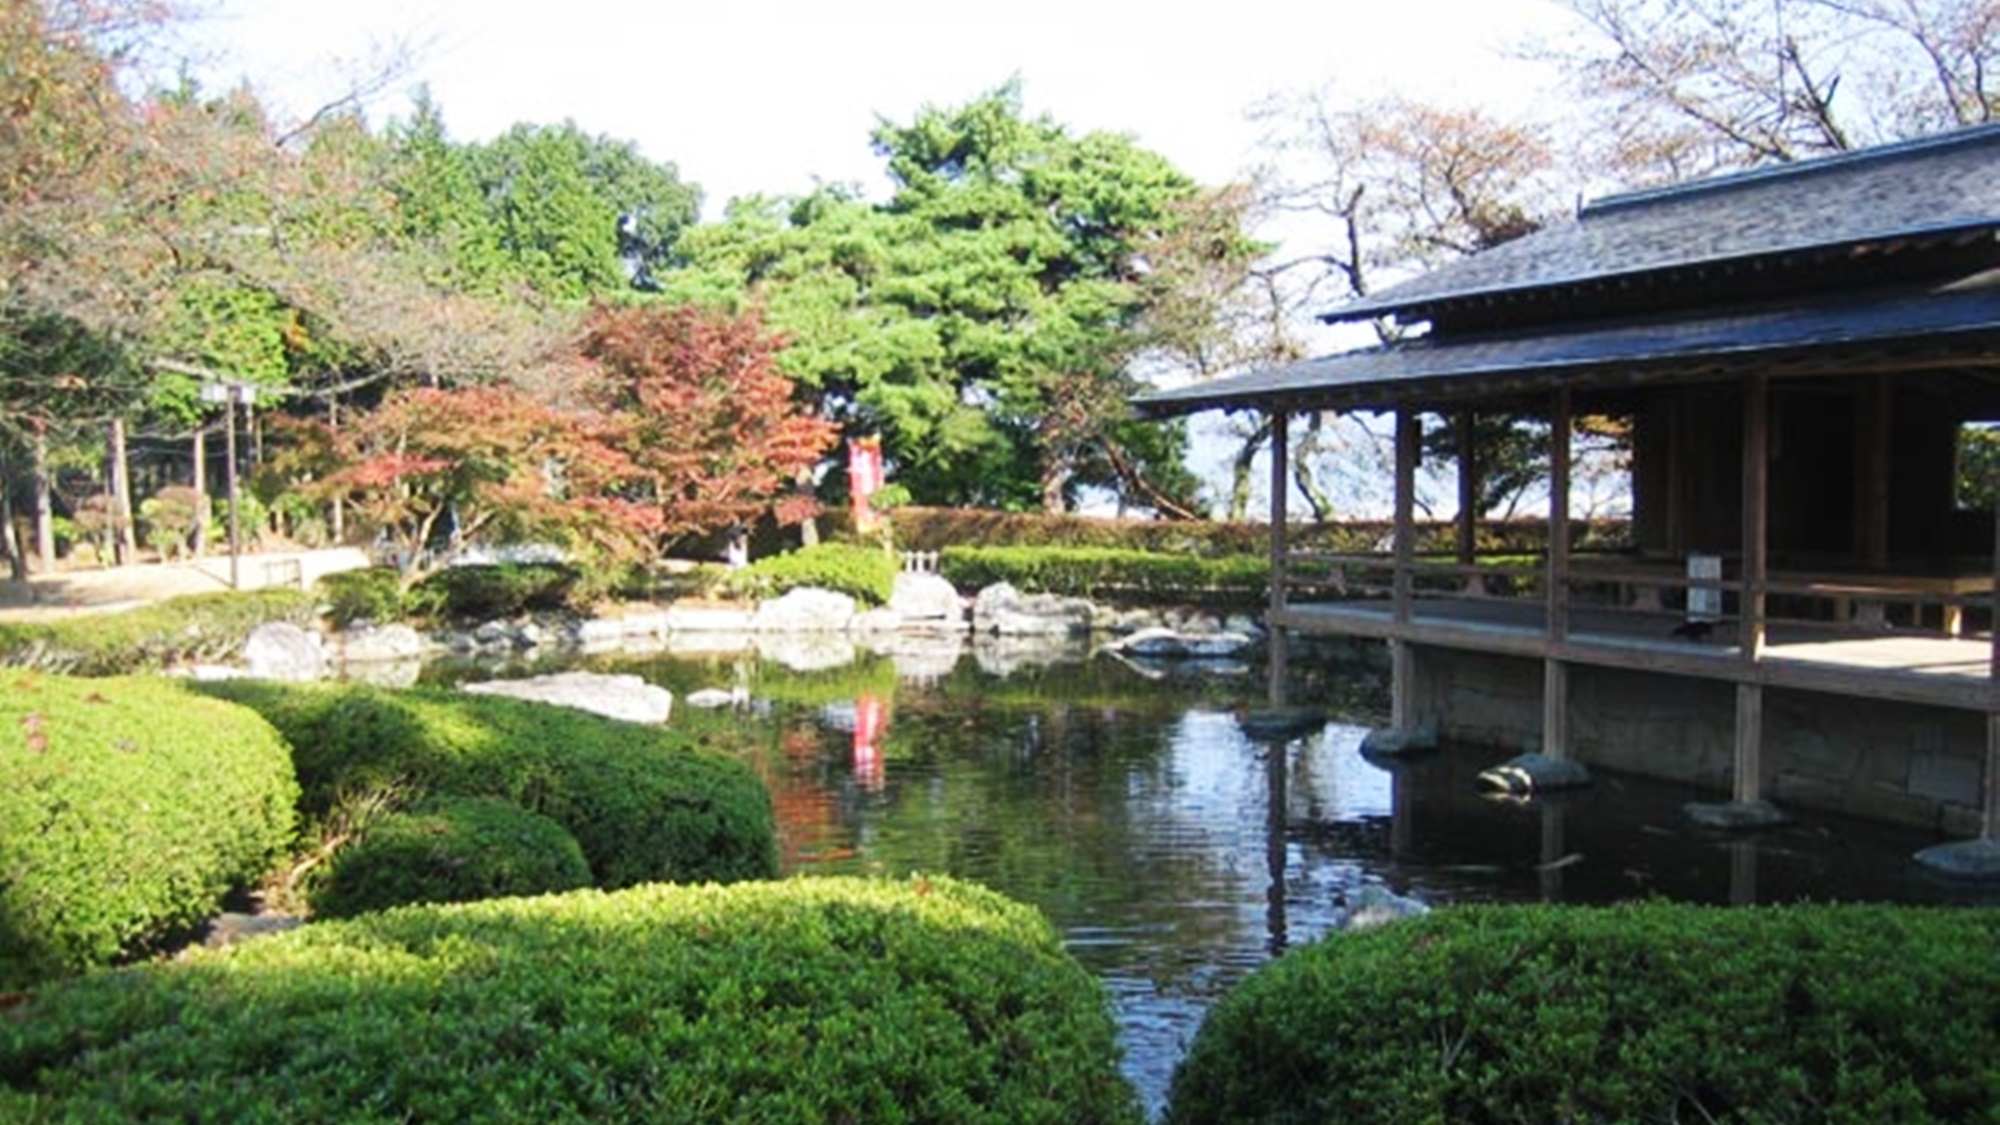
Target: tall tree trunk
[
  {"x": 339, "y": 528},
  {"x": 200, "y": 490},
  {"x": 1240, "y": 466},
  {"x": 1055, "y": 477},
  {"x": 45, "y": 508},
  {"x": 125, "y": 544},
  {"x": 1302, "y": 474},
  {"x": 10, "y": 536}
]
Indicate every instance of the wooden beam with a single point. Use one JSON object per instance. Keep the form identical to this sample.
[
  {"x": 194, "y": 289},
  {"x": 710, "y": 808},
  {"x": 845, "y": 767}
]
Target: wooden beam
[
  {"x": 1873, "y": 401},
  {"x": 1409, "y": 433},
  {"x": 1756, "y": 520},
  {"x": 1555, "y": 708},
  {"x": 1558, "y": 576},
  {"x": 1989, "y": 821},
  {"x": 1749, "y": 744},
  {"x": 1462, "y": 424},
  {"x": 1280, "y": 486},
  {"x": 1993, "y": 656},
  {"x": 1402, "y": 683}
]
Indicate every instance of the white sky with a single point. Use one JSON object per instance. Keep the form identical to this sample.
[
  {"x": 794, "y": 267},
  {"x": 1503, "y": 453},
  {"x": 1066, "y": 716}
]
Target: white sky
[{"x": 771, "y": 96}]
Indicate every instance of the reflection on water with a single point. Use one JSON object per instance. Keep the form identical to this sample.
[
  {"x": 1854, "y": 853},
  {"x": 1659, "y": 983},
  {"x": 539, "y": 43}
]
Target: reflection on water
[{"x": 1175, "y": 853}]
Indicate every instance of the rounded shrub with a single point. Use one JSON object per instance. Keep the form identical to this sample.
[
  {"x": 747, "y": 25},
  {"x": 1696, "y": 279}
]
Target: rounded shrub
[
  {"x": 867, "y": 574},
  {"x": 644, "y": 803},
  {"x": 486, "y": 591},
  {"x": 129, "y": 809},
  {"x": 451, "y": 850},
  {"x": 804, "y": 1001},
  {"x": 1653, "y": 1012},
  {"x": 370, "y": 594}
]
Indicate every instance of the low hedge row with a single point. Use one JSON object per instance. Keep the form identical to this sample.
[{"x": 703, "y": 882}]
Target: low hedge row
[
  {"x": 939, "y": 529},
  {"x": 1103, "y": 572},
  {"x": 129, "y": 808},
  {"x": 868, "y": 574},
  {"x": 805, "y": 1001},
  {"x": 451, "y": 849},
  {"x": 202, "y": 627},
  {"x": 642, "y": 804},
  {"x": 1654, "y": 1012},
  {"x": 460, "y": 593}
]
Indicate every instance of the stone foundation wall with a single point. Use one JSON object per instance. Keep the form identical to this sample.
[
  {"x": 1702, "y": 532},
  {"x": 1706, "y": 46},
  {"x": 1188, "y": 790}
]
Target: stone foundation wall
[{"x": 1900, "y": 763}]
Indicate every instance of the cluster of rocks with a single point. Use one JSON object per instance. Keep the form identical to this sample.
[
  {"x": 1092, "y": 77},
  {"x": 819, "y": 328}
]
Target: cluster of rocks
[
  {"x": 921, "y": 605},
  {"x": 926, "y": 625}
]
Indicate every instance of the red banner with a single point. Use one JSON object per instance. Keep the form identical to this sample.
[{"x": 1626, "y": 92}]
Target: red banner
[{"x": 864, "y": 480}]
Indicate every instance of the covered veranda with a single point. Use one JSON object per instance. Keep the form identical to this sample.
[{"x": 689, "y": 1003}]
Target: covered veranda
[{"x": 1805, "y": 452}]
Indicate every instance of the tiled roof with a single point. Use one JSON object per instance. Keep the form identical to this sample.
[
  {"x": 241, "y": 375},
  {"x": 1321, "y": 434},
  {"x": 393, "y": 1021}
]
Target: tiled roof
[
  {"x": 1949, "y": 184},
  {"x": 1961, "y": 320}
]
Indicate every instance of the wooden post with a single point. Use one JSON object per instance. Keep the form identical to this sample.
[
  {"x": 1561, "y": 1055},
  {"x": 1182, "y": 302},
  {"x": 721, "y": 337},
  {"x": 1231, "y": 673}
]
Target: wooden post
[
  {"x": 44, "y": 501},
  {"x": 1874, "y": 400},
  {"x": 1749, "y": 744},
  {"x": 1462, "y": 425},
  {"x": 1402, "y": 683},
  {"x": 229, "y": 475},
  {"x": 1555, "y": 709},
  {"x": 1989, "y": 821},
  {"x": 200, "y": 453},
  {"x": 1756, "y": 524},
  {"x": 1549, "y": 872},
  {"x": 1409, "y": 432},
  {"x": 1558, "y": 565},
  {"x": 1993, "y": 636},
  {"x": 1280, "y": 456},
  {"x": 125, "y": 541}
]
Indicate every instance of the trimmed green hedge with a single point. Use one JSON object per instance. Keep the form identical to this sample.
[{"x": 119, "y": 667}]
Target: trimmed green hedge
[
  {"x": 483, "y": 593},
  {"x": 129, "y": 808},
  {"x": 642, "y": 803},
  {"x": 451, "y": 850},
  {"x": 462, "y": 593},
  {"x": 868, "y": 574},
  {"x": 177, "y": 631},
  {"x": 941, "y": 529},
  {"x": 370, "y": 594},
  {"x": 1655, "y": 1012},
  {"x": 1103, "y": 572},
  {"x": 808, "y": 1001}
]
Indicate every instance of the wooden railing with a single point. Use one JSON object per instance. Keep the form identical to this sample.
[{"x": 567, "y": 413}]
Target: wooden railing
[{"x": 1845, "y": 600}]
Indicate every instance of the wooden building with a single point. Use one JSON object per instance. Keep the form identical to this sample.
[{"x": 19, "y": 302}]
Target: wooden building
[{"x": 1792, "y": 352}]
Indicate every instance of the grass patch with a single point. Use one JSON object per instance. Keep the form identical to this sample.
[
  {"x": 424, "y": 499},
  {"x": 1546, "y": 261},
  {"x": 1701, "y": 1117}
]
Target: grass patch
[{"x": 201, "y": 627}]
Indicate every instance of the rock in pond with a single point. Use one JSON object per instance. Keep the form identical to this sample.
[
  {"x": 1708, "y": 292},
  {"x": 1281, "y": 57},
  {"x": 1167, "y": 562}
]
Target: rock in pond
[
  {"x": 619, "y": 697},
  {"x": 279, "y": 651}
]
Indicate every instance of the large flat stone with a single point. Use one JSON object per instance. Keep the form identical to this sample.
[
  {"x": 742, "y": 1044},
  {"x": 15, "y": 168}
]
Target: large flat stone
[{"x": 618, "y": 697}]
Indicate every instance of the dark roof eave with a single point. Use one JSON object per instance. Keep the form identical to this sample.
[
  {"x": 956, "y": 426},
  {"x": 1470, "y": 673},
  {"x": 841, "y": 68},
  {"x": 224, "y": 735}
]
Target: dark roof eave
[
  {"x": 1426, "y": 306},
  {"x": 1832, "y": 334}
]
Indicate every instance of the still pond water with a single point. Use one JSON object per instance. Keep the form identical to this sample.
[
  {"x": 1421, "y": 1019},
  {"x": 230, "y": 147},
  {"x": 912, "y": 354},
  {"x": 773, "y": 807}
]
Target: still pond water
[{"x": 1174, "y": 852}]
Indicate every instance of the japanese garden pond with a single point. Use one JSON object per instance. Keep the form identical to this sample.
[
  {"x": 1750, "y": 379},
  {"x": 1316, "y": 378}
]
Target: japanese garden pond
[{"x": 1176, "y": 853}]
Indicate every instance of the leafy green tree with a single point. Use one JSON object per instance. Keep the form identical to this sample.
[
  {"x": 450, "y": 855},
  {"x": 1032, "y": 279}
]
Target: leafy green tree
[
  {"x": 985, "y": 320},
  {"x": 577, "y": 215},
  {"x": 439, "y": 206}
]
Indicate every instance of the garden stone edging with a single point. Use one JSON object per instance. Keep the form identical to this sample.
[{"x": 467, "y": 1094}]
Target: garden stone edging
[{"x": 923, "y": 605}]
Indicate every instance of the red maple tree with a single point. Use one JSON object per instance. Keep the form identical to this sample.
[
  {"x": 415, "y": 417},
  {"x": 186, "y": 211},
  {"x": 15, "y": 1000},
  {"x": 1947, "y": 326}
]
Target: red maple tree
[
  {"x": 432, "y": 467},
  {"x": 694, "y": 400}
]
